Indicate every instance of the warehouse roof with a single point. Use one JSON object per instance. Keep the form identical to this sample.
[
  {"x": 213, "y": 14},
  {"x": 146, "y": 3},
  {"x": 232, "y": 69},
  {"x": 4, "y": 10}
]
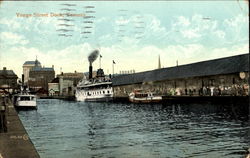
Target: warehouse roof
[{"x": 226, "y": 65}]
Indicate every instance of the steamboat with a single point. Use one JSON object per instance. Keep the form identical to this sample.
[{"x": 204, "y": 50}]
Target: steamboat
[{"x": 97, "y": 88}]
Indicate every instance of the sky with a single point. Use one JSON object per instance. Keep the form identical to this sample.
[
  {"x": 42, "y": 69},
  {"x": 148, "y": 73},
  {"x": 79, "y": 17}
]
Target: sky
[{"x": 132, "y": 33}]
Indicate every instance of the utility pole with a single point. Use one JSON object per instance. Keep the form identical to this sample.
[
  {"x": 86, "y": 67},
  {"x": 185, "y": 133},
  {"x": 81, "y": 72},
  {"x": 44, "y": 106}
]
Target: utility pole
[{"x": 100, "y": 58}]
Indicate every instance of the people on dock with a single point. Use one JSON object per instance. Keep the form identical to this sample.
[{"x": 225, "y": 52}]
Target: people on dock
[
  {"x": 3, "y": 122},
  {"x": 233, "y": 90}
]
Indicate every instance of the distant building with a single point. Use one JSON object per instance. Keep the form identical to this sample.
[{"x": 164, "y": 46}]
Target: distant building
[
  {"x": 53, "y": 87},
  {"x": 8, "y": 80},
  {"x": 66, "y": 87},
  {"x": 27, "y": 66},
  {"x": 39, "y": 77},
  {"x": 64, "y": 84},
  {"x": 75, "y": 77},
  {"x": 61, "y": 87},
  {"x": 67, "y": 83}
]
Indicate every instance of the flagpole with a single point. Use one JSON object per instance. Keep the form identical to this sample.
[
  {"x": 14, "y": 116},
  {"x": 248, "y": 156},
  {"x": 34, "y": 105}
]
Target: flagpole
[
  {"x": 100, "y": 61},
  {"x": 113, "y": 67}
]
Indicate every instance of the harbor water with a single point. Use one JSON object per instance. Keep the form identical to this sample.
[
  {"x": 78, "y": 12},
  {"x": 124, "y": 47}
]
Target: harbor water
[{"x": 63, "y": 129}]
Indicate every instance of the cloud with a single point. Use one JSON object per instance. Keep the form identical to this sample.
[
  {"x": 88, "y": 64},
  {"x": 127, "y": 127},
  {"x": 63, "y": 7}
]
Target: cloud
[
  {"x": 193, "y": 27},
  {"x": 236, "y": 29},
  {"x": 122, "y": 21},
  {"x": 209, "y": 31},
  {"x": 10, "y": 23},
  {"x": 155, "y": 26},
  {"x": 220, "y": 34},
  {"x": 183, "y": 21},
  {"x": 236, "y": 21},
  {"x": 10, "y": 38},
  {"x": 190, "y": 33},
  {"x": 102, "y": 19}
]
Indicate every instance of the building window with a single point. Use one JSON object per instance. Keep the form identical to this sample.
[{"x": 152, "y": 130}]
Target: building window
[{"x": 103, "y": 92}]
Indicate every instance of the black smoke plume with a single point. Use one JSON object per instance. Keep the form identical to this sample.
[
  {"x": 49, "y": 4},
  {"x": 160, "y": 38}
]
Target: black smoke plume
[{"x": 93, "y": 56}]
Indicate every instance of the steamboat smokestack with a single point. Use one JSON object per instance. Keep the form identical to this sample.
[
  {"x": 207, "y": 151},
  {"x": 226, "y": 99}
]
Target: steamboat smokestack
[
  {"x": 92, "y": 57},
  {"x": 22, "y": 79},
  {"x": 90, "y": 70}
]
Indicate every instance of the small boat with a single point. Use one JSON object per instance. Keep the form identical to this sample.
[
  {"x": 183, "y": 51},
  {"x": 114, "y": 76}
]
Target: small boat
[
  {"x": 139, "y": 96},
  {"x": 25, "y": 100}
]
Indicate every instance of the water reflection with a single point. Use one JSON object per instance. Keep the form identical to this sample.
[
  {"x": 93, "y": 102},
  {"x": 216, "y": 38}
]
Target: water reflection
[{"x": 76, "y": 129}]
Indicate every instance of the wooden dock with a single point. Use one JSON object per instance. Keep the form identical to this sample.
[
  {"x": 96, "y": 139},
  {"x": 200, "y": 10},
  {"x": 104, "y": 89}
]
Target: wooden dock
[{"x": 15, "y": 142}]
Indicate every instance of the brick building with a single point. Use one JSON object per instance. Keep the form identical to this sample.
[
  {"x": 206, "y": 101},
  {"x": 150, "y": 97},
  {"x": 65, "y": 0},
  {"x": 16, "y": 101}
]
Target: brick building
[
  {"x": 65, "y": 84},
  {"x": 8, "y": 80},
  {"x": 75, "y": 77},
  {"x": 39, "y": 77}
]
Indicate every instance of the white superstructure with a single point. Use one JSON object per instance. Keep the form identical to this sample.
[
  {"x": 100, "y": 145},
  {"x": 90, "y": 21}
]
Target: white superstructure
[
  {"x": 25, "y": 100},
  {"x": 97, "y": 87},
  {"x": 97, "y": 90}
]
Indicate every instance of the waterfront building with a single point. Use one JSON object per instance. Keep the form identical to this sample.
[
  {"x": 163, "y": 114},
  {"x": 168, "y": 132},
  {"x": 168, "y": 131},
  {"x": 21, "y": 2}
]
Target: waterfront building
[
  {"x": 53, "y": 87},
  {"x": 66, "y": 87},
  {"x": 39, "y": 77},
  {"x": 72, "y": 76},
  {"x": 61, "y": 87},
  {"x": 224, "y": 76},
  {"x": 64, "y": 84},
  {"x": 8, "y": 80},
  {"x": 27, "y": 66}
]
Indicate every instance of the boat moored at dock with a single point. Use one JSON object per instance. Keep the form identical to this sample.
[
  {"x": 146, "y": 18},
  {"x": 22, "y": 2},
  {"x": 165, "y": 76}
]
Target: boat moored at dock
[
  {"x": 97, "y": 88},
  {"x": 139, "y": 96},
  {"x": 25, "y": 100},
  {"x": 94, "y": 91}
]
